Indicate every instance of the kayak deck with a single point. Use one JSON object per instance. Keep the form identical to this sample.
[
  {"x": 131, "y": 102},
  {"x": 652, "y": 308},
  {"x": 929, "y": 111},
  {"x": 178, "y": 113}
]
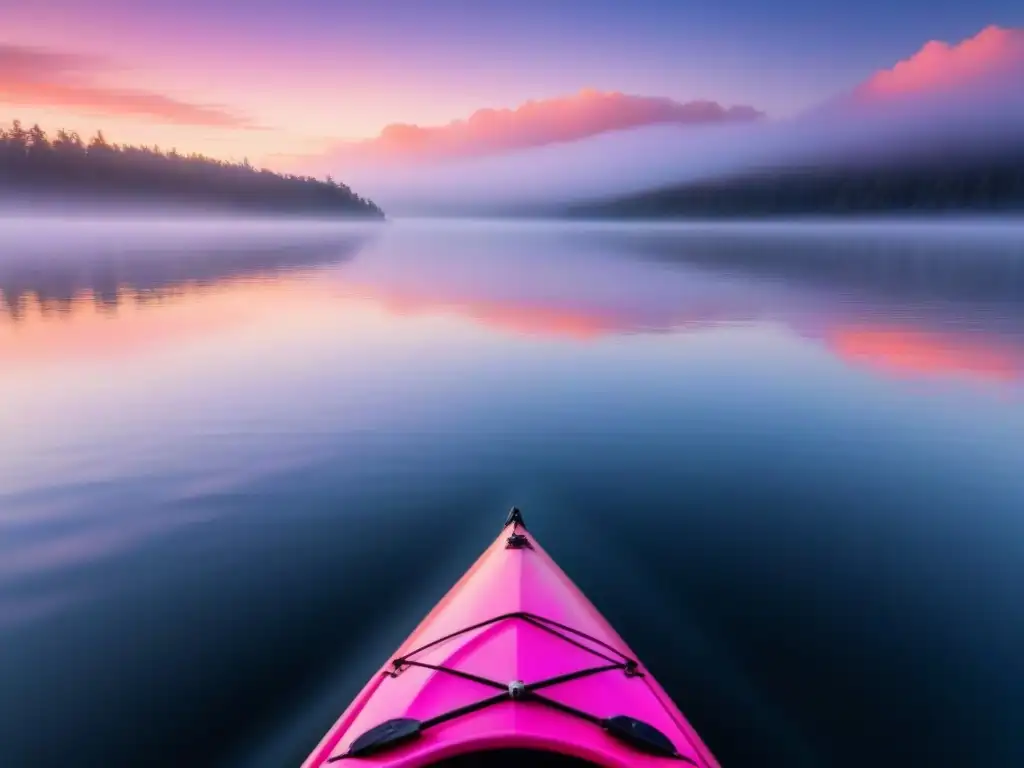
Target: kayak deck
[
  {"x": 514, "y": 758},
  {"x": 513, "y": 657}
]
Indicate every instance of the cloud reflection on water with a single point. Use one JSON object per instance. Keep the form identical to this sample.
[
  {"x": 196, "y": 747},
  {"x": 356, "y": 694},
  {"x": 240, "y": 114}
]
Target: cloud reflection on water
[{"x": 895, "y": 299}]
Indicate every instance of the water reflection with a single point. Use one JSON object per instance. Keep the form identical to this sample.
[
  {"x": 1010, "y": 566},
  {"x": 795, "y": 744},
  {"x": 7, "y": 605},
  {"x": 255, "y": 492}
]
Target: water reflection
[
  {"x": 222, "y": 444},
  {"x": 53, "y": 269},
  {"x": 904, "y": 351},
  {"x": 85, "y": 291},
  {"x": 901, "y": 302},
  {"x": 926, "y": 300},
  {"x": 93, "y": 292}
]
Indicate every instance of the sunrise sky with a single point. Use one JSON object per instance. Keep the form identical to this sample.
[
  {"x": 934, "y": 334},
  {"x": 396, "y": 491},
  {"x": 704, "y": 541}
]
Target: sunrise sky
[{"x": 277, "y": 79}]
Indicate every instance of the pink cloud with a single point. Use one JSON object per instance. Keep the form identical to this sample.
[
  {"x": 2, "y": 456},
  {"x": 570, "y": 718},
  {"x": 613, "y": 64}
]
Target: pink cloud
[
  {"x": 34, "y": 77},
  {"x": 539, "y": 123},
  {"x": 991, "y": 55},
  {"x": 27, "y": 63}
]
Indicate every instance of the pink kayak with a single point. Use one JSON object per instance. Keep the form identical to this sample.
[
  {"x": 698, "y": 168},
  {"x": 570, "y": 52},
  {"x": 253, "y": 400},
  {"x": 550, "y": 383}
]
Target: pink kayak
[{"x": 514, "y": 666}]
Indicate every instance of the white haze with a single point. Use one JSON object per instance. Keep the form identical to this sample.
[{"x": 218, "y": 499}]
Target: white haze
[
  {"x": 80, "y": 247},
  {"x": 624, "y": 162}
]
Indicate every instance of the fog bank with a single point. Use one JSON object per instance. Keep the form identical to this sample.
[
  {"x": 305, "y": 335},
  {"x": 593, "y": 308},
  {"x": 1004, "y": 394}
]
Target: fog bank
[{"x": 844, "y": 131}]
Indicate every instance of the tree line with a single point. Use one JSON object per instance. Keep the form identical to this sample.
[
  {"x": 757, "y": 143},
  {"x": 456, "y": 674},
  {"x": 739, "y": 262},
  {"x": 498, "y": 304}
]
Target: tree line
[
  {"x": 977, "y": 184},
  {"x": 31, "y": 163}
]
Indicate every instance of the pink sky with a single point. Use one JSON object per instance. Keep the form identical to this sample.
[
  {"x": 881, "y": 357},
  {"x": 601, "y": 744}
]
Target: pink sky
[
  {"x": 252, "y": 86},
  {"x": 85, "y": 91}
]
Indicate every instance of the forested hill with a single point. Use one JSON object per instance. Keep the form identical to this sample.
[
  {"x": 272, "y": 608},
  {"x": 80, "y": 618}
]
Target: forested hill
[
  {"x": 34, "y": 166},
  {"x": 978, "y": 183}
]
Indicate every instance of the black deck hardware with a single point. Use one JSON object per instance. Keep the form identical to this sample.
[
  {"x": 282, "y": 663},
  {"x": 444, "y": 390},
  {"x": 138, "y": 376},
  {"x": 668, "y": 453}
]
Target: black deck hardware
[
  {"x": 514, "y": 516},
  {"x": 636, "y": 733},
  {"x": 640, "y": 735},
  {"x": 388, "y": 734},
  {"x": 518, "y": 541}
]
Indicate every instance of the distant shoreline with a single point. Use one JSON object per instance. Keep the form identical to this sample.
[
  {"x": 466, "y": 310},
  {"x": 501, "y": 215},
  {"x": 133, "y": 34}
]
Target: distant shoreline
[
  {"x": 18, "y": 204},
  {"x": 35, "y": 170},
  {"x": 922, "y": 215},
  {"x": 21, "y": 202},
  {"x": 940, "y": 186}
]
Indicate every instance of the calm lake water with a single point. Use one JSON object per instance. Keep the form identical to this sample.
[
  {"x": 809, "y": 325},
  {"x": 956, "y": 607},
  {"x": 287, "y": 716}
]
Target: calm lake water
[{"x": 240, "y": 460}]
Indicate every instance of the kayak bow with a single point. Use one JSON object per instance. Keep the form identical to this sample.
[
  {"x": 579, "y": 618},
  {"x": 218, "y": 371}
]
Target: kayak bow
[{"x": 514, "y": 661}]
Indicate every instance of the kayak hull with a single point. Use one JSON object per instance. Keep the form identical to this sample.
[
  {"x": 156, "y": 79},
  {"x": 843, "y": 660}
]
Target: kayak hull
[{"x": 513, "y": 622}]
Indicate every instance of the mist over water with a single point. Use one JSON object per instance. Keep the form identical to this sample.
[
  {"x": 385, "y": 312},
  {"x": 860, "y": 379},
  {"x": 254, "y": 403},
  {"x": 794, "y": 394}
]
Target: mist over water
[
  {"x": 981, "y": 119},
  {"x": 239, "y": 460}
]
